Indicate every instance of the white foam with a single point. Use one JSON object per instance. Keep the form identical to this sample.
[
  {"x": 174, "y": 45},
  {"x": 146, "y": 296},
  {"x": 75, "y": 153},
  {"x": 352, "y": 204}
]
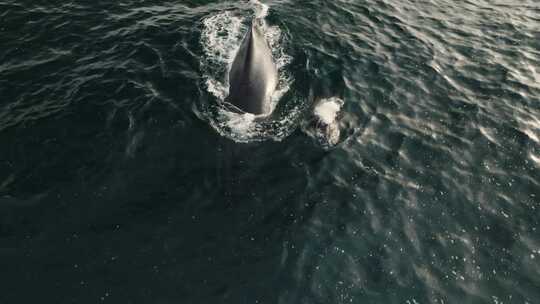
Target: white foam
[
  {"x": 239, "y": 123},
  {"x": 217, "y": 88},
  {"x": 220, "y": 38},
  {"x": 327, "y": 109},
  {"x": 324, "y": 126},
  {"x": 260, "y": 10}
]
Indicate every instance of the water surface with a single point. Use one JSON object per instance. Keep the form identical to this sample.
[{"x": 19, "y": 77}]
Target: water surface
[{"x": 122, "y": 180}]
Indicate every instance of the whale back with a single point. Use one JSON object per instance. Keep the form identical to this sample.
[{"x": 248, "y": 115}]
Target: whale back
[{"x": 253, "y": 74}]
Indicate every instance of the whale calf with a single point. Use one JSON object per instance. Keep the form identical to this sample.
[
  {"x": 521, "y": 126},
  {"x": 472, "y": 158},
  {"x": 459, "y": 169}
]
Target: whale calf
[{"x": 253, "y": 76}]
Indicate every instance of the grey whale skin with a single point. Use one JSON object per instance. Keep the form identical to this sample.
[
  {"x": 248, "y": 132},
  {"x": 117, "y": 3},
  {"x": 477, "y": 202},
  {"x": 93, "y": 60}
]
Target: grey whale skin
[{"x": 253, "y": 76}]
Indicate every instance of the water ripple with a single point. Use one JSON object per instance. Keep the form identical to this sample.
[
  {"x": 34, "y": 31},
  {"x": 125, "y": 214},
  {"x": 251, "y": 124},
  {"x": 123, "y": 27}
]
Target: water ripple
[{"x": 110, "y": 167}]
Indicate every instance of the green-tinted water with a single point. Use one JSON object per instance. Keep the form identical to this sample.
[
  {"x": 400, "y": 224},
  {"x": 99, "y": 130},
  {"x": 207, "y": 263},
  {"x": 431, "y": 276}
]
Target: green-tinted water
[{"x": 122, "y": 181}]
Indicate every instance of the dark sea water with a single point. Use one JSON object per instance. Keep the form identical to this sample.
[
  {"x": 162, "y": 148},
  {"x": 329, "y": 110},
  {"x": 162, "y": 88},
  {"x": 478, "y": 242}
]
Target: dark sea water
[{"x": 124, "y": 180}]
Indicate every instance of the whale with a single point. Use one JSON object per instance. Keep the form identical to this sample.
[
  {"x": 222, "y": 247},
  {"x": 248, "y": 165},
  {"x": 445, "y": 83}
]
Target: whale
[{"x": 253, "y": 74}]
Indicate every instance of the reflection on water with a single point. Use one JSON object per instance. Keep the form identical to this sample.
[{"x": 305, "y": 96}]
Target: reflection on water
[{"x": 120, "y": 183}]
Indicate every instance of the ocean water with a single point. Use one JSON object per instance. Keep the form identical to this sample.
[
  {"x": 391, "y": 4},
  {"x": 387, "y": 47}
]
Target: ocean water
[{"x": 125, "y": 179}]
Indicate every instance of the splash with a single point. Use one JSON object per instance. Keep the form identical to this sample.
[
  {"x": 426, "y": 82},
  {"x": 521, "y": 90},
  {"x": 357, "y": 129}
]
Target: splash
[
  {"x": 327, "y": 109},
  {"x": 221, "y": 37},
  {"x": 260, "y": 10},
  {"x": 324, "y": 126}
]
